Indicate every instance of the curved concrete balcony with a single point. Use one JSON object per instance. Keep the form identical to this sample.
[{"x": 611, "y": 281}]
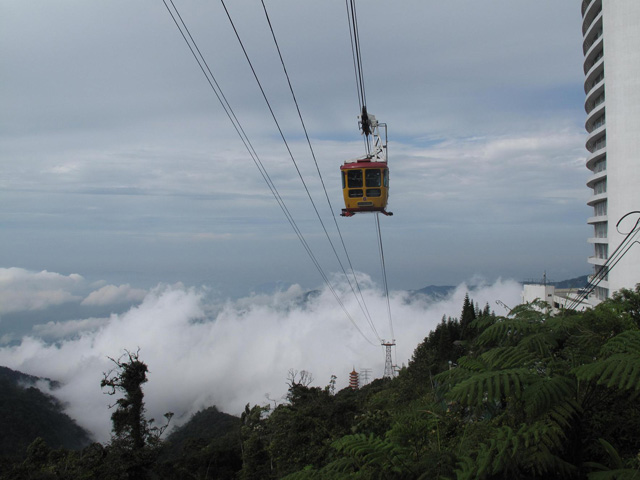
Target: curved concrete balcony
[
  {"x": 595, "y": 156},
  {"x": 597, "y": 261},
  {"x": 596, "y": 178},
  {"x": 597, "y": 240},
  {"x": 596, "y": 198},
  {"x": 598, "y": 219},
  {"x": 594, "y": 58},
  {"x": 594, "y": 137},
  {"x": 594, "y": 33},
  {"x": 592, "y": 73},
  {"x": 594, "y": 51},
  {"x": 593, "y": 115},
  {"x": 590, "y": 13}
]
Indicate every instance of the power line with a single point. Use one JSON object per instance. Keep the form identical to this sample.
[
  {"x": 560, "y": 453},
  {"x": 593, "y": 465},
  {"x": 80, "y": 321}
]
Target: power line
[
  {"x": 245, "y": 140},
  {"x": 363, "y": 305},
  {"x": 612, "y": 260},
  {"x": 356, "y": 51}
]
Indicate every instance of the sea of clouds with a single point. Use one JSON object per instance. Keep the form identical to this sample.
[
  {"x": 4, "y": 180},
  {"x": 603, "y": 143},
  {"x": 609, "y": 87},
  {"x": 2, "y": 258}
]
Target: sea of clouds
[{"x": 202, "y": 351}]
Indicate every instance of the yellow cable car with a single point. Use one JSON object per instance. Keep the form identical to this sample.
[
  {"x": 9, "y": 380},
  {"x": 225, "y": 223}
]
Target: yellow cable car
[
  {"x": 365, "y": 182},
  {"x": 365, "y": 187}
]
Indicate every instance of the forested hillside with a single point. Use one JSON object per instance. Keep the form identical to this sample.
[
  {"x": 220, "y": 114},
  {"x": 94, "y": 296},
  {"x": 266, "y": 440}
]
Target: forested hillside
[
  {"x": 27, "y": 413},
  {"x": 523, "y": 396}
]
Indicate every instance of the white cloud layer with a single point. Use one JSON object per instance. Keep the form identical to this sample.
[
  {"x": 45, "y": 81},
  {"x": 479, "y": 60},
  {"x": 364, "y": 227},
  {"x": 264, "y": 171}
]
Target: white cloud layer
[
  {"x": 22, "y": 289},
  {"x": 112, "y": 294},
  {"x": 234, "y": 356}
]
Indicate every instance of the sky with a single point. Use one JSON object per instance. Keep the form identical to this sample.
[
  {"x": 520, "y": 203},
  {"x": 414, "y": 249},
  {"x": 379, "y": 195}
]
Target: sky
[{"x": 125, "y": 191}]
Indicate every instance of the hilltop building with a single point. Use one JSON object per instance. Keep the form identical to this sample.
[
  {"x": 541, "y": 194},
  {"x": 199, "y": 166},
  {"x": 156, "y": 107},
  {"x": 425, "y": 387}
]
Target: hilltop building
[
  {"x": 354, "y": 382},
  {"x": 611, "y": 46}
]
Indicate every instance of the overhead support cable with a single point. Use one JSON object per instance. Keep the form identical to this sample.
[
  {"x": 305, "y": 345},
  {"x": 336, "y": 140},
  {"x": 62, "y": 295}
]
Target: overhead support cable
[
  {"x": 612, "y": 260},
  {"x": 359, "y": 296},
  {"x": 356, "y": 52},
  {"x": 182, "y": 27},
  {"x": 384, "y": 274}
]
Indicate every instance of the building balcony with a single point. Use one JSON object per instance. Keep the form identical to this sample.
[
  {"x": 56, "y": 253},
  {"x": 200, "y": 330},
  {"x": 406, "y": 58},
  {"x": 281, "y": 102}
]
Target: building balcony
[
  {"x": 598, "y": 219},
  {"x": 594, "y": 240},
  {"x": 596, "y": 69},
  {"x": 596, "y": 198},
  {"x": 596, "y": 178},
  {"x": 597, "y": 139},
  {"x": 589, "y": 14},
  {"x": 597, "y": 260},
  {"x": 595, "y": 98},
  {"x": 596, "y": 156},
  {"x": 594, "y": 33},
  {"x": 594, "y": 114}
]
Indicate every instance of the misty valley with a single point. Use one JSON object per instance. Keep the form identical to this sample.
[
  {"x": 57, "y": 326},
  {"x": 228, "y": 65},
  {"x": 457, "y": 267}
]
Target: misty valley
[{"x": 524, "y": 394}]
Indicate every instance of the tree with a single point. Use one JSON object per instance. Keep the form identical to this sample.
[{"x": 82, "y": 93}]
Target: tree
[
  {"x": 135, "y": 441},
  {"x": 467, "y": 316}
]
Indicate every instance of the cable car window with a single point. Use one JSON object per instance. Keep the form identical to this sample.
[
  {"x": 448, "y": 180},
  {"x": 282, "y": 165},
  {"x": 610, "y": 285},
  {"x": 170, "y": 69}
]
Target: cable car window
[
  {"x": 386, "y": 178},
  {"x": 372, "y": 177},
  {"x": 343, "y": 179},
  {"x": 355, "y": 193},
  {"x": 354, "y": 179},
  {"x": 373, "y": 192}
]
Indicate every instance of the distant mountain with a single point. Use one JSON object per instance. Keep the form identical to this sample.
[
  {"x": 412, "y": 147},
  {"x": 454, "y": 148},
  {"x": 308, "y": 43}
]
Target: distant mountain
[
  {"x": 432, "y": 293},
  {"x": 578, "y": 282},
  {"x": 205, "y": 427},
  {"x": 27, "y": 413}
]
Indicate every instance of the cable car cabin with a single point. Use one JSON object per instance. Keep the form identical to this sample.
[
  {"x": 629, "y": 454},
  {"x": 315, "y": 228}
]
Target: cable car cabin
[{"x": 365, "y": 186}]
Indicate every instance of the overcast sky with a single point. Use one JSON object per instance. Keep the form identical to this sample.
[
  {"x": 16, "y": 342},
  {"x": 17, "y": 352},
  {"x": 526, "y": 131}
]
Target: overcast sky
[
  {"x": 118, "y": 162},
  {"x": 119, "y": 170}
]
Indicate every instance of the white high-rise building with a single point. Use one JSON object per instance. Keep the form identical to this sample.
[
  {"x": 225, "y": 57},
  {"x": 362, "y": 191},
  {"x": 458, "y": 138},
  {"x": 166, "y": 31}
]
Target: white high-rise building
[{"x": 611, "y": 44}]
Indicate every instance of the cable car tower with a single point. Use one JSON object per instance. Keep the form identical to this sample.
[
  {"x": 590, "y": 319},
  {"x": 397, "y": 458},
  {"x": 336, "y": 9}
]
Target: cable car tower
[{"x": 389, "y": 371}]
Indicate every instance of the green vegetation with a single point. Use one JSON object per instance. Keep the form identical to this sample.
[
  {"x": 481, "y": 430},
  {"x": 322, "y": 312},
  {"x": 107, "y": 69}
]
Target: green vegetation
[
  {"x": 26, "y": 413},
  {"x": 526, "y": 396}
]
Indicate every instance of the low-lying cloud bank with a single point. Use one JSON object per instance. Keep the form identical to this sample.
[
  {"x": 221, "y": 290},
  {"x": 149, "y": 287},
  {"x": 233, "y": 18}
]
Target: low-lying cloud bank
[{"x": 201, "y": 353}]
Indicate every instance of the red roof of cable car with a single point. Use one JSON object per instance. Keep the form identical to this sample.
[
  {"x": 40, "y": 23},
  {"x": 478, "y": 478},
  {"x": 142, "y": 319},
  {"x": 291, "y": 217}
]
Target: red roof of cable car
[{"x": 363, "y": 163}]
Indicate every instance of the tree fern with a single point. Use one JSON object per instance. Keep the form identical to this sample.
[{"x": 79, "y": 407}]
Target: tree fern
[
  {"x": 491, "y": 386},
  {"x": 370, "y": 451},
  {"x": 546, "y": 392},
  {"x": 508, "y": 331},
  {"x": 617, "y": 470},
  {"x": 507, "y": 357},
  {"x": 619, "y": 365},
  {"x": 531, "y": 449}
]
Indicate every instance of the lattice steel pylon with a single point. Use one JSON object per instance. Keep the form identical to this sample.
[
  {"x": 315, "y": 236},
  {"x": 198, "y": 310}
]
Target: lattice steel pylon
[{"x": 389, "y": 371}]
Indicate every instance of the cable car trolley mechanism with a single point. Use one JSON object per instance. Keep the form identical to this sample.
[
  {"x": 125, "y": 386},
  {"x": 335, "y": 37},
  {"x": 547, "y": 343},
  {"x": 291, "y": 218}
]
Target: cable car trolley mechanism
[{"x": 365, "y": 181}]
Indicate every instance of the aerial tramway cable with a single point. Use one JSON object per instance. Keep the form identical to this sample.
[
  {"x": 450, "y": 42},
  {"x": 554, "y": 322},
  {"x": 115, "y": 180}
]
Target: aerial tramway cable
[
  {"x": 360, "y": 299},
  {"x": 366, "y": 130},
  {"x": 245, "y": 140}
]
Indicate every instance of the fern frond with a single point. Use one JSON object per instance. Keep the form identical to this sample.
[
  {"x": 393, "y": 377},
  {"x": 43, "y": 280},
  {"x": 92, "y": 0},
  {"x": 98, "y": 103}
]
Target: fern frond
[
  {"x": 372, "y": 452},
  {"x": 508, "y": 332},
  {"x": 473, "y": 364},
  {"x": 507, "y": 357},
  {"x": 625, "y": 342},
  {"x": 491, "y": 386},
  {"x": 621, "y": 370},
  {"x": 622, "y": 474},
  {"x": 541, "y": 343},
  {"x": 546, "y": 392}
]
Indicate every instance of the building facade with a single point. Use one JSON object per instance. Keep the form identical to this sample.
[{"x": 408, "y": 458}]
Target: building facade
[{"x": 611, "y": 45}]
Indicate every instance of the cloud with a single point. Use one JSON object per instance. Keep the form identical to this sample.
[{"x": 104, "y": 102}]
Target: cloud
[
  {"x": 112, "y": 294},
  {"x": 201, "y": 353},
  {"x": 22, "y": 289},
  {"x": 67, "y": 329}
]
